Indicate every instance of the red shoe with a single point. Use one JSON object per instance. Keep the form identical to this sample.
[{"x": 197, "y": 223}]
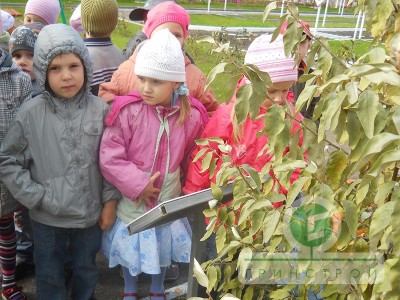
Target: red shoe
[
  {"x": 13, "y": 293},
  {"x": 129, "y": 295},
  {"x": 158, "y": 295}
]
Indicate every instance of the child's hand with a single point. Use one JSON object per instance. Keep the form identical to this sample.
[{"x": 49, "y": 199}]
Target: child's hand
[
  {"x": 149, "y": 192},
  {"x": 108, "y": 215}
]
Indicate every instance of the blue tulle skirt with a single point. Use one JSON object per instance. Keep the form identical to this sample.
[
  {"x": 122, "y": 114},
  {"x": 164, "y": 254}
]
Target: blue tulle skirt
[{"x": 147, "y": 250}]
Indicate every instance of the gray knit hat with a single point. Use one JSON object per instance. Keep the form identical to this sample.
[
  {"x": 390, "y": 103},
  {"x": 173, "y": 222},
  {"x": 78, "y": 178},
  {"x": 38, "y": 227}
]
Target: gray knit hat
[
  {"x": 161, "y": 58},
  {"x": 24, "y": 37}
]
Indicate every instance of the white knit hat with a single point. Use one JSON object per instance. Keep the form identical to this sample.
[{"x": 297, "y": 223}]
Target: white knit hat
[{"x": 161, "y": 58}]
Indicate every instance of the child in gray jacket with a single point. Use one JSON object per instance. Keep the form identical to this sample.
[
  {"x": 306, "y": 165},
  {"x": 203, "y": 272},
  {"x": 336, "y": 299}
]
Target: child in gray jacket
[
  {"x": 49, "y": 162},
  {"x": 15, "y": 88}
]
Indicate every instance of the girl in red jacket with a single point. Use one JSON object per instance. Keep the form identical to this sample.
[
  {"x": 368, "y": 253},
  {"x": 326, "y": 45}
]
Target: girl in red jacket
[{"x": 268, "y": 57}]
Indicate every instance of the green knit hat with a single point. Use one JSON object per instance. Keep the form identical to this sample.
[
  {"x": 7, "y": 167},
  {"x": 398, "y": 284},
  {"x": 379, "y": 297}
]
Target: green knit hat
[{"x": 99, "y": 17}]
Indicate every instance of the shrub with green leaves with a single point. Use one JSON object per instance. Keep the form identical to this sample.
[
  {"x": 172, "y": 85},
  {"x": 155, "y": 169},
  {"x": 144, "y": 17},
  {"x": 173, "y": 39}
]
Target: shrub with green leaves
[{"x": 352, "y": 163}]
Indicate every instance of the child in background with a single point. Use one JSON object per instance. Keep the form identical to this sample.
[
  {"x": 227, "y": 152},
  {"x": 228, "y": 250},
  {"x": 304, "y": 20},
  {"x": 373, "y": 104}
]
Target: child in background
[
  {"x": 139, "y": 14},
  {"x": 99, "y": 18},
  {"x": 22, "y": 43},
  {"x": 174, "y": 17},
  {"x": 75, "y": 20},
  {"x": 43, "y": 11},
  {"x": 49, "y": 162},
  {"x": 268, "y": 57},
  {"x": 15, "y": 88},
  {"x": 8, "y": 22},
  {"x": 144, "y": 149}
]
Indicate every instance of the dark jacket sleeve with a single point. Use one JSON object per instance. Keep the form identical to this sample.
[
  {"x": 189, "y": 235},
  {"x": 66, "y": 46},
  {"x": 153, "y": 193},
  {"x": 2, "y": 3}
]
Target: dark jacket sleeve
[{"x": 133, "y": 43}]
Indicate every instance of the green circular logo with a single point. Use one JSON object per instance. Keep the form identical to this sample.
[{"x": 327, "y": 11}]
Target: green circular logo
[{"x": 310, "y": 225}]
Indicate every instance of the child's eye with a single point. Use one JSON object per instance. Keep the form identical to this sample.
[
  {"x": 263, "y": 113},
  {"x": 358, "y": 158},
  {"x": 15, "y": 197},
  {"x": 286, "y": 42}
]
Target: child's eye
[
  {"x": 54, "y": 68},
  {"x": 17, "y": 56},
  {"x": 75, "y": 66},
  {"x": 155, "y": 81},
  {"x": 140, "y": 78}
]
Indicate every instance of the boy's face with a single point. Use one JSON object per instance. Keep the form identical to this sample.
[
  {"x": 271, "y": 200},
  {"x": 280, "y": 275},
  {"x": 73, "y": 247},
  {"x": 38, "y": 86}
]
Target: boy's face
[
  {"x": 277, "y": 93},
  {"x": 31, "y": 18},
  {"x": 66, "y": 75},
  {"x": 24, "y": 59},
  {"x": 175, "y": 28},
  {"x": 156, "y": 92}
]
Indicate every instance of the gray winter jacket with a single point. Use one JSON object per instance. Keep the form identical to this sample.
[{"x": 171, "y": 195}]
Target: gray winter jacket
[{"x": 49, "y": 158}]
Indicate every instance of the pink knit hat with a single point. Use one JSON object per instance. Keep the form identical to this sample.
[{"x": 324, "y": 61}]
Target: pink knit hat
[
  {"x": 166, "y": 12},
  {"x": 270, "y": 57},
  {"x": 48, "y": 10}
]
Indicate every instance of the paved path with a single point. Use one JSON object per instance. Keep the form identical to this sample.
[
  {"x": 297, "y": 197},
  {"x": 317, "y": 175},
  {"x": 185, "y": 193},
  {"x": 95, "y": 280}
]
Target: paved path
[{"x": 111, "y": 284}]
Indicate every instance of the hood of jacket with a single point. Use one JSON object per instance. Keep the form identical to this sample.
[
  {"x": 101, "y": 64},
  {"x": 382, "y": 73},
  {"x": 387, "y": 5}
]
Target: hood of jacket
[{"x": 58, "y": 39}]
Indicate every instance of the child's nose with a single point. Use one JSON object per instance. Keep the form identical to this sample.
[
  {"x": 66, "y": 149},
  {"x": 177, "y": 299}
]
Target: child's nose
[{"x": 66, "y": 75}]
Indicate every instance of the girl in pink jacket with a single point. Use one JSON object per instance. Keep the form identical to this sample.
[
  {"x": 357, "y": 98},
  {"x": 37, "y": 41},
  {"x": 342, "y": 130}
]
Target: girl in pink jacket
[{"x": 143, "y": 153}]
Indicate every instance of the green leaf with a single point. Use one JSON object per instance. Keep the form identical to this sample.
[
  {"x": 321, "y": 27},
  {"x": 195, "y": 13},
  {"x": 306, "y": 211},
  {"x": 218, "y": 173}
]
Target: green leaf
[
  {"x": 380, "y": 220},
  {"x": 279, "y": 294},
  {"x": 375, "y": 145},
  {"x": 220, "y": 238},
  {"x": 387, "y": 158},
  {"x": 244, "y": 213},
  {"x": 199, "y": 154},
  {"x": 309, "y": 131},
  {"x": 210, "y": 229},
  {"x": 232, "y": 245},
  {"x": 352, "y": 92},
  {"x": 336, "y": 164},
  {"x": 295, "y": 190},
  {"x": 244, "y": 260},
  {"x": 335, "y": 80},
  {"x": 382, "y": 192},
  {"x": 274, "y": 123},
  {"x": 361, "y": 193},
  {"x": 367, "y": 111},
  {"x": 212, "y": 277},
  {"x": 248, "y": 295},
  {"x": 353, "y": 129},
  {"x": 199, "y": 274},
  {"x": 206, "y": 39},
  {"x": 257, "y": 221},
  {"x": 229, "y": 297},
  {"x": 205, "y": 164},
  {"x": 396, "y": 119},
  {"x": 220, "y": 68},
  {"x": 216, "y": 191},
  {"x": 242, "y": 105},
  {"x": 377, "y": 56},
  {"x": 271, "y": 6},
  {"x": 290, "y": 165},
  {"x": 305, "y": 96},
  {"x": 270, "y": 223},
  {"x": 290, "y": 38},
  {"x": 351, "y": 217},
  {"x": 253, "y": 174}
]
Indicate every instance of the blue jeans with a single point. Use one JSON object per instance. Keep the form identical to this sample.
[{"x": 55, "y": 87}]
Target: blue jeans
[{"x": 49, "y": 256}]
